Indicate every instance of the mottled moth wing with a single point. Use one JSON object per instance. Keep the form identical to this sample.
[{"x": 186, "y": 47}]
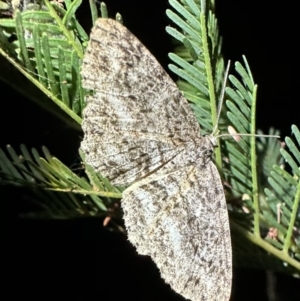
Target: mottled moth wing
[
  {"x": 137, "y": 119},
  {"x": 184, "y": 227}
]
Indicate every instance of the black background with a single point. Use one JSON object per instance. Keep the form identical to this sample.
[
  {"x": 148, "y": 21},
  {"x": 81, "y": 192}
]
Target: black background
[{"x": 79, "y": 258}]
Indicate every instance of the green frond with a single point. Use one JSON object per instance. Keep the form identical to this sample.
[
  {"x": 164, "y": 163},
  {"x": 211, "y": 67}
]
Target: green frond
[
  {"x": 268, "y": 192},
  {"x": 198, "y": 59},
  {"x": 283, "y": 197},
  {"x": 64, "y": 193},
  {"x": 46, "y": 43},
  {"x": 239, "y": 101}
]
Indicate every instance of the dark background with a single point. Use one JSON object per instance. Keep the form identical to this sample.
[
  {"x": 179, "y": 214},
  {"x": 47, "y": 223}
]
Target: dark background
[{"x": 79, "y": 258}]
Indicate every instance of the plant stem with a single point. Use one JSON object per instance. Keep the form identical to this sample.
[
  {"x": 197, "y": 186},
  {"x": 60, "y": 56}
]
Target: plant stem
[
  {"x": 266, "y": 246},
  {"x": 287, "y": 240},
  {"x": 64, "y": 29},
  {"x": 211, "y": 86},
  {"x": 107, "y": 194},
  {"x": 253, "y": 164}
]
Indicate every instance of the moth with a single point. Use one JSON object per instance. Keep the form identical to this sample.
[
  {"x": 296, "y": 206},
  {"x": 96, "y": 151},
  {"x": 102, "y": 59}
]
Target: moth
[{"x": 140, "y": 131}]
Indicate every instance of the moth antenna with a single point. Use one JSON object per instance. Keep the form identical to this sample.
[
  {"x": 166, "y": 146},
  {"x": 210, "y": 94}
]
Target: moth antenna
[
  {"x": 247, "y": 135},
  {"x": 221, "y": 99},
  {"x": 232, "y": 132}
]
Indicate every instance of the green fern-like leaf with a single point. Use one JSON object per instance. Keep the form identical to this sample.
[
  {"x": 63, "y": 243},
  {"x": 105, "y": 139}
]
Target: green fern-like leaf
[
  {"x": 283, "y": 197},
  {"x": 64, "y": 193},
  {"x": 198, "y": 59},
  {"x": 47, "y": 50}
]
